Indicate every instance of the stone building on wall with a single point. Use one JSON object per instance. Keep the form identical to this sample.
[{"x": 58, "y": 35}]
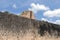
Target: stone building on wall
[
  {"x": 28, "y": 14},
  {"x": 13, "y": 27}
]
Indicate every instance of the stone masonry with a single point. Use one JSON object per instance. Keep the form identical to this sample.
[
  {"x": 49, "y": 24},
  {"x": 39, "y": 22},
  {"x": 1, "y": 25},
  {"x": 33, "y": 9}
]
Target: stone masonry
[
  {"x": 13, "y": 27},
  {"x": 28, "y": 14}
]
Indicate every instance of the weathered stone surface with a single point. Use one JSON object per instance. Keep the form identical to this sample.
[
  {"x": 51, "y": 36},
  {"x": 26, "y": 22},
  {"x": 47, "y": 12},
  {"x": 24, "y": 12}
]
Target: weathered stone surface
[
  {"x": 13, "y": 27},
  {"x": 28, "y": 14}
]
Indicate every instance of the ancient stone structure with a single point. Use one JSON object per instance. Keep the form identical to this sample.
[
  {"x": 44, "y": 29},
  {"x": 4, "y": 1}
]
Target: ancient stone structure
[
  {"x": 13, "y": 27},
  {"x": 28, "y": 14}
]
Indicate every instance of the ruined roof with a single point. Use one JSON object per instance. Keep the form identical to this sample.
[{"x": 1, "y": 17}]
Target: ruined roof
[{"x": 28, "y": 14}]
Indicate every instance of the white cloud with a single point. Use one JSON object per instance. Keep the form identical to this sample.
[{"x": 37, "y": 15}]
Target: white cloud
[
  {"x": 54, "y": 13},
  {"x": 14, "y": 6},
  {"x": 2, "y": 11},
  {"x": 44, "y": 19},
  {"x": 50, "y": 21},
  {"x": 57, "y": 22},
  {"x": 38, "y": 7}
]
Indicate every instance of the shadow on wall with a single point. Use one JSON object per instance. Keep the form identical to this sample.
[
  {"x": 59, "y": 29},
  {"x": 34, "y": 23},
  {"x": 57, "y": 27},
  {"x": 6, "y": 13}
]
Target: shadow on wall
[{"x": 51, "y": 29}]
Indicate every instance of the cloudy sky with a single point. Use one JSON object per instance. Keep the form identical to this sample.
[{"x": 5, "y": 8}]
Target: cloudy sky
[{"x": 47, "y": 10}]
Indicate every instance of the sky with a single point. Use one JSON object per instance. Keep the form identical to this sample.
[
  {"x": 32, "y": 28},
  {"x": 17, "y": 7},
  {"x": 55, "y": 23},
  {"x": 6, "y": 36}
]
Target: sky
[{"x": 46, "y": 10}]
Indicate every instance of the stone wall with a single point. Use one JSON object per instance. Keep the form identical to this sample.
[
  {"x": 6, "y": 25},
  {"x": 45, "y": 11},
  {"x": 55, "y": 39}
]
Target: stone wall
[
  {"x": 28, "y": 14},
  {"x": 13, "y": 27}
]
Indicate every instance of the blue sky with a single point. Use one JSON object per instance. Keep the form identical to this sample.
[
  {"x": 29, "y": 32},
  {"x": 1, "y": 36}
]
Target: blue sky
[{"x": 47, "y": 10}]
